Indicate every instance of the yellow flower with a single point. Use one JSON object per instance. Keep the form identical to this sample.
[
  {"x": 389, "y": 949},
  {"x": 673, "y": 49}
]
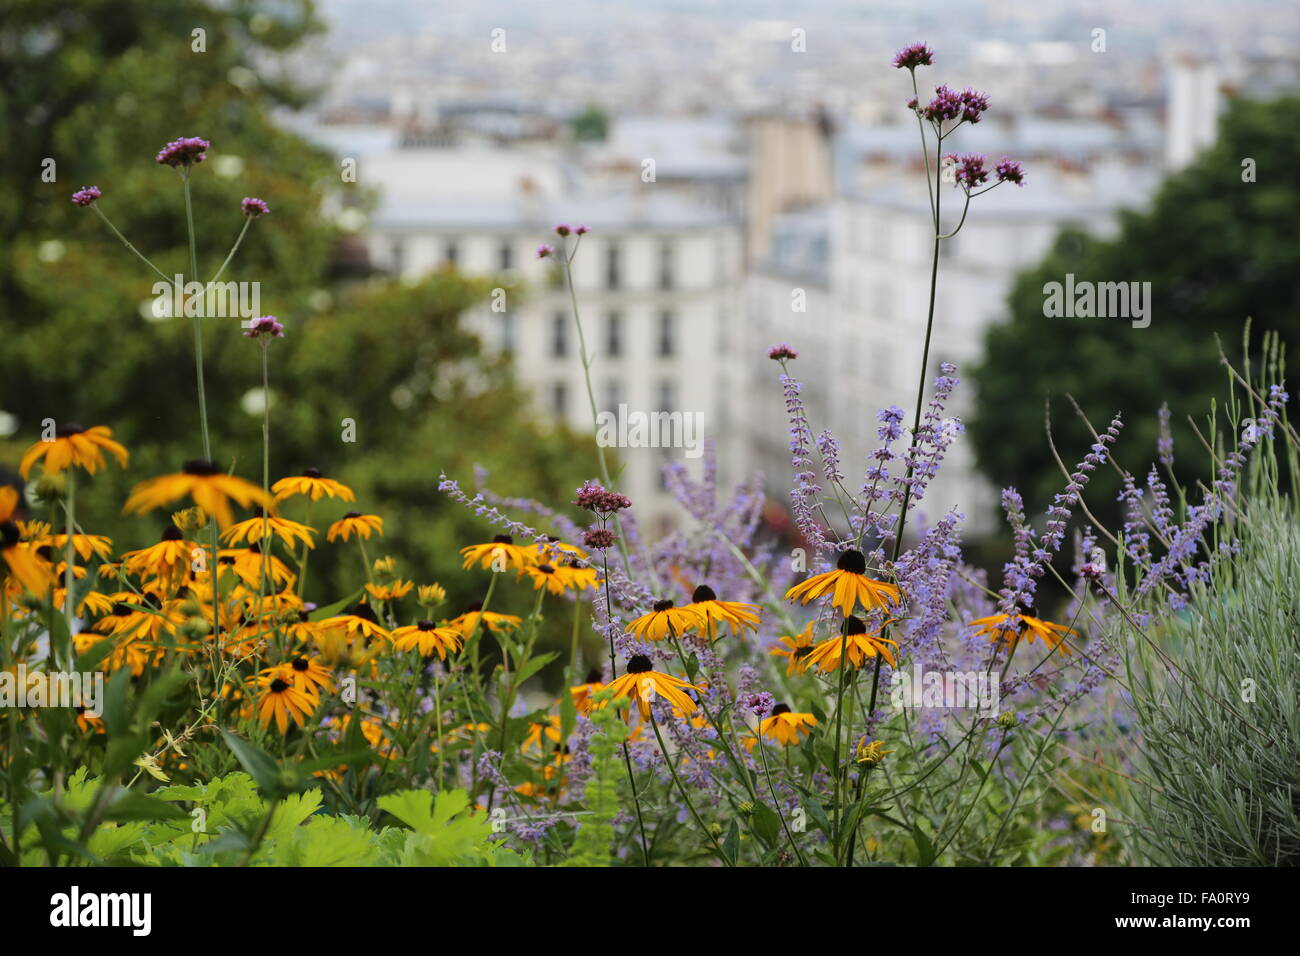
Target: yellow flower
[
  {"x": 353, "y": 523},
  {"x": 307, "y": 674},
  {"x": 74, "y": 446},
  {"x": 784, "y": 727},
  {"x": 431, "y": 594},
  {"x": 206, "y": 484},
  {"x": 360, "y": 622},
  {"x": 545, "y": 576},
  {"x": 533, "y": 739},
  {"x": 739, "y": 615},
  {"x": 795, "y": 649},
  {"x": 848, "y": 585},
  {"x": 84, "y": 544},
  {"x": 581, "y": 694},
  {"x": 664, "y": 621},
  {"x": 578, "y": 579},
  {"x": 1010, "y": 628},
  {"x": 553, "y": 549},
  {"x": 494, "y": 622},
  {"x": 857, "y": 642},
  {"x": 22, "y": 562},
  {"x": 643, "y": 685},
  {"x": 262, "y": 527},
  {"x": 169, "y": 560},
  {"x": 499, "y": 554},
  {"x": 390, "y": 592},
  {"x": 313, "y": 485},
  {"x": 428, "y": 639},
  {"x": 282, "y": 700},
  {"x": 870, "y": 754}
]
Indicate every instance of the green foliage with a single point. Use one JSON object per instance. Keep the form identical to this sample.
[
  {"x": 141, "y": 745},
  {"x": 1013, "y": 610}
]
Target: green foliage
[
  {"x": 593, "y": 844},
  {"x": 1212, "y": 790},
  {"x": 591, "y": 125},
  {"x": 225, "y": 822},
  {"x": 1217, "y": 251}
]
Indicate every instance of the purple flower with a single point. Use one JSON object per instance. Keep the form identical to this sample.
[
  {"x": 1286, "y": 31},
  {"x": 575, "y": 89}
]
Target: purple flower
[
  {"x": 563, "y": 229},
  {"x": 598, "y": 539},
  {"x": 580, "y": 231},
  {"x": 760, "y": 704},
  {"x": 592, "y": 497},
  {"x": 86, "y": 195},
  {"x": 781, "y": 353},
  {"x": 265, "y": 325},
  {"x": 1010, "y": 171},
  {"x": 970, "y": 169},
  {"x": 254, "y": 207},
  {"x": 910, "y": 57},
  {"x": 544, "y": 251},
  {"x": 186, "y": 151}
]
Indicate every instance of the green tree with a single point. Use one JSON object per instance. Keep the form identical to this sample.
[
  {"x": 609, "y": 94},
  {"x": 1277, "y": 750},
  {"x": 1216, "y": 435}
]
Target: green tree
[
  {"x": 99, "y": 86},
  {"x": 1217, "y": 249}
]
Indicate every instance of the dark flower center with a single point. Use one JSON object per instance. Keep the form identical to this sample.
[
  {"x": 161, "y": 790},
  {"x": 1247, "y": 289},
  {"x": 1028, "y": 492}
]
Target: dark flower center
[
  {"x": 45, "y": 552},
  {"x": 311, "y": 473},
  {"x": 300, "y": 663},
  {"x": 855, "y": 625},
  {"x": 546, "y": 569},
  {"x": 593, "y": 676},
  {"x": 303, "y": 616},
  {"x": 172, "y": 533},
  {"x": 425, "y": 625},
  {"x": 638, "y": 664},
  {"x": 703, "y": 593},
  {"x": 662, "y": 605},
  {"x": 364, "y": 611},
  {"x": 151, "y": 599},
  {"x": 852, "y": 561},
  {"x": 351, "y": 514},
  {"x": 120, "y": 609},
  {"x": 8, "y": 534},
  {"x": 279, "y": 686},
  {"x": 201, "y": 467},
  {"x": 780, "y": 709},
  {"x": 69, "y": 428},
  {"x": 502, "y": 539}
]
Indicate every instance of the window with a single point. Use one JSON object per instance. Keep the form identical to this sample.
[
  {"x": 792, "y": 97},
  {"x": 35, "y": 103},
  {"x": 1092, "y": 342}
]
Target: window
[
  {"x": 560, "y": 399},
  {"x": 613, "y": 395},
  {"x": 613, "y": 335},
  {"x": 665, "y": 265},
  {"x": 506, "y": 256},
  {"x": 453, "y": 253},
  {"x": 667, "y": 396},
  {"x": 667, "y": 333},
  {"x": 613, "y": 267},
  {"x": 559, "y": 335},
  {"x": 508, "y": 332}
]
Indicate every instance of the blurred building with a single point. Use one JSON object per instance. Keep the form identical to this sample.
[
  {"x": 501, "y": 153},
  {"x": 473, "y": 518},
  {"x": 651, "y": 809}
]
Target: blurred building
[{"x": 658, "y": 280}]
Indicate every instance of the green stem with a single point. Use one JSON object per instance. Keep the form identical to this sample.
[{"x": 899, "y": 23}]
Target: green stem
[{"x": 717, "y": 847}]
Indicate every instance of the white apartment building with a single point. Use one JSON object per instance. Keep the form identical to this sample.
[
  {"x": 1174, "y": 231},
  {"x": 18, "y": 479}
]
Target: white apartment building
[{"x": 658, "y": 281}]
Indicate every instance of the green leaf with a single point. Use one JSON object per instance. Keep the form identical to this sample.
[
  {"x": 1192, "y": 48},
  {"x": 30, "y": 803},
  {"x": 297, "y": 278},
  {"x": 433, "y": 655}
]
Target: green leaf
[
  {"x": 924, "y": 848},
  {"x": 731, "y": 845},
  {"x": 130, "y": 805},
  {"x": 766, "y": 824},
  {"x": 260, "y": 765}
]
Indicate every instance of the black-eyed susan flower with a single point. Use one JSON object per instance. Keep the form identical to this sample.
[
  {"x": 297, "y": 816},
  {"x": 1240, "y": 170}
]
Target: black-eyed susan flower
[
  {"x": 739, "y": 615},
  {"x": 361, "y": 622},
  {"x": 784, "y": 726},
  {"x": 393, "y": 591},
  {"x": 249, "y": 563},
  {"x": 849, "y": 586},
  {"x": 283, "y": 701},
  {"x": 795, "y": 648},
  {"x": 313, "y": 485},
  {"x": 499, "y": 554},
  {"x": 1011, "y": 628},
  {"x": 84, "y": 544},
  {"x": 533, "y": 740},
  {"x": 261, "y": 527},
  {"x": 666, "y": 621},
  {"x": 73, "y": 446},
  {"x": 544, "y": 576},
  {"x": 206, "y": 484},
  {"x": 643, "y": 684},
  {"x": 428, "y": 639},
  {"x": 494, "y": 622},
  {"x": 857, "y": 642},
  {"x": 554, "y": 551},
  {"x": 18, "y": 559},
  {"x": 581, "y": 693},
  {"x": 578, "y": 578},
  {"x": 308, "y": 674},
  {"x": 169, "y": 560},
  {"x": 363, "y": 526},
  {"x": 430, "y": 595}
]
